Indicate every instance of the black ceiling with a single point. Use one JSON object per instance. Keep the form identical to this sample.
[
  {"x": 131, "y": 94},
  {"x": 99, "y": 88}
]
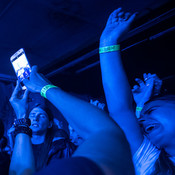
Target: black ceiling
[{"x": 53, "y": 32}]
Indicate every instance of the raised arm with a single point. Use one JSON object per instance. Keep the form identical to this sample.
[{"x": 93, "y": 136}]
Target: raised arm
[
  {"x": 82, "y": 116},
  {"x": 22, "y": 161},
  {"x": 105, "y": 143},
  {"x": 116, "y": 86}
]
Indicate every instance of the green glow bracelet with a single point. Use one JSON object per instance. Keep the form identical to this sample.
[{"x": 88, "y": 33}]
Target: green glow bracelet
[
  {"x": 106, "y": 49},
  {"x": 45, "y": 88}
]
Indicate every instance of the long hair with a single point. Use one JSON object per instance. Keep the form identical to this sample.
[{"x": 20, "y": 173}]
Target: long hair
[
  {"x": 35, "y": 100},
  {"x": 42, "y": 158},
  {"x": 163, "y": 165}
]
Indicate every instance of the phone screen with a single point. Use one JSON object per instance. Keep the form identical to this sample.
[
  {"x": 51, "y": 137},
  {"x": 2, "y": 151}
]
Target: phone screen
[{"x": 21, "y": 65}]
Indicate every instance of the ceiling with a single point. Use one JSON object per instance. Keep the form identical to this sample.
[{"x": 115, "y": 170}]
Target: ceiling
[{"x": 54, "y": 31}]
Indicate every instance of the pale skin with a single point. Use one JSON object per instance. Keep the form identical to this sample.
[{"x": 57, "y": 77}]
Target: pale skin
[
  {"x": 37, "y": 115},
  {"x": 93, "y": 124},
  {"x": 39, "y": 125},
  {"x": 25, "y": 163},
  {"x": 119, "y": 95},
  {"x": 146, "y": 88},
  {"x": 117, "y": 89}
]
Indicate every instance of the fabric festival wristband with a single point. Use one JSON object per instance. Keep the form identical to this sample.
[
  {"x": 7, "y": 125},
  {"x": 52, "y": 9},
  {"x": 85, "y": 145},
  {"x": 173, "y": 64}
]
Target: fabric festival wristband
[
  {"x": 45, "y": 89},
  {"x": 139, "y": 108},
  {"x": 106, "y": 49}
]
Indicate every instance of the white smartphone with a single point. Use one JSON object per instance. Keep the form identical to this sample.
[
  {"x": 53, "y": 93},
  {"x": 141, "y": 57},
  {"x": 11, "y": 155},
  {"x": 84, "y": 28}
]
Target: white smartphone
[{"x": 21, "y": 65}]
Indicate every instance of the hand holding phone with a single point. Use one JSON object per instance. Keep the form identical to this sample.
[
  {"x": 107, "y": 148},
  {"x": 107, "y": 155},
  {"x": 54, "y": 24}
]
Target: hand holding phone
[{"x": 20, "y": 65}]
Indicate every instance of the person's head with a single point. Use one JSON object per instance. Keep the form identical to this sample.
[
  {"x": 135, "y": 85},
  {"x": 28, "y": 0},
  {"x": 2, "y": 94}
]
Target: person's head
[
  {"x": 158, "y": 120},
  {"x": 40, "y": 120},
  {"x": 40, "y": 114}
]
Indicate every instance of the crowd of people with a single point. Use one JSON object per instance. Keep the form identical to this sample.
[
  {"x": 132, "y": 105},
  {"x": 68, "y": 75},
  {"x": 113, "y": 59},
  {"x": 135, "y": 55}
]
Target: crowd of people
[{"x": 135, "y": 136}]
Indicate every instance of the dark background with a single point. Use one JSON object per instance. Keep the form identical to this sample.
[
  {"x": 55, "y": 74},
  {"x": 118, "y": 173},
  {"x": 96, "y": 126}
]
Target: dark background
[{"x": 61, "y": 37}]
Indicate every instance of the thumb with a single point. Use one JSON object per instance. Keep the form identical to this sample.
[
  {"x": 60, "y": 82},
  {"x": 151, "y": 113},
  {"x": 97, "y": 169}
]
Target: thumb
[
  {"x": 26, "y": 82},
  {"x": 25, "y": 96},
  {"x": 34, "y": 71}
]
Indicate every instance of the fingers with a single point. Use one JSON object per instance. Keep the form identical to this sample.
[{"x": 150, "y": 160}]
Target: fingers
[
  {"x": 153, "y": 83},
  {"x": 131, "y": 18},
  {"x": 135, "y": 88},
  {"x": 118, "y": 15},
  {"x": 26, "y": 82},
  {"x": 26, "y": 94},
  {"x": 127, "y": 15},
  {"x": 16, "y": 90},
  {"x": 121, "y": 16},
  {"x": 113, "y": 15},
  {"x": 149, "y": 76},
  {"x": 34, "y": 70},
  {"x": 116, "y": 12},
  {"x": 140, "y": 82},
  {"x": 145, "y": 76}
]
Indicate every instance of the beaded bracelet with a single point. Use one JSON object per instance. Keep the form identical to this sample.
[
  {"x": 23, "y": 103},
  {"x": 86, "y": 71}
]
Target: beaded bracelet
[
  {"x": 45, "y": 89},
  {"x": 22, "y": 129},
  {"x": 22, "y": 121}
]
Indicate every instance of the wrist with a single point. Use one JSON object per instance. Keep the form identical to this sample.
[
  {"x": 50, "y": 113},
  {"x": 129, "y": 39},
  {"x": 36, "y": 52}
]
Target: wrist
[
  {"x": 20, "y": 116},
  {"x": 107, "y": 41},
  {"x": 45, "y": 89},
  {"x": 140, "y": 104},
  {"x": 107, "y": 49},
  {"x": 22, "y": 122}
]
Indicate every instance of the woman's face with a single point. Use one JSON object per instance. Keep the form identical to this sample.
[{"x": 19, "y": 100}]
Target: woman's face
[
  {"x": 159, "y": 124},
  {"x": 39, "y": 121}
]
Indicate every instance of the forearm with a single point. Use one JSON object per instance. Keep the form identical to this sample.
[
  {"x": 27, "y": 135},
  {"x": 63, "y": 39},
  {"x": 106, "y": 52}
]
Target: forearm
[
  {"x": 82, "y": 116},
  {"x": 116, "y": 152},
  {"x": 22, "y": 161},
  {"x": 115, "y": 82},
  {"x": 118, "y": 93}
]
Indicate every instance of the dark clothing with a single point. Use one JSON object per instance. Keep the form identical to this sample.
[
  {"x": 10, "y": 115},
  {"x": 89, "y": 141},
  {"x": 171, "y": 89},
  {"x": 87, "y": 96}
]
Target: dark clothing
[
  {"x": 62, "y": 148},
  {"x": 4, "y": 163},
  {"x": 71, "y": 166}
]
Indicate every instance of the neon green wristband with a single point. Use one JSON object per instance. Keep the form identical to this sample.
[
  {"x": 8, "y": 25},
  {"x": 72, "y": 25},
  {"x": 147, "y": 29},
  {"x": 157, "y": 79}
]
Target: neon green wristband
[
  {"x": 45, "y": 89},
  {"x": 106, "y": 49},
  {"x": 138, "y": 108}
]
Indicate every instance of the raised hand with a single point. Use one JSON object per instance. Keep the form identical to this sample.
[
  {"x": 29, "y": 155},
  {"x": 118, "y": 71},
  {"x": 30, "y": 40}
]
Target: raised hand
[
  {"x": 117, "y": 25},
  {"x": 146, "y": 88},
  {"x": 36, "y": 81},
  {"x": 18, "y": 101}
]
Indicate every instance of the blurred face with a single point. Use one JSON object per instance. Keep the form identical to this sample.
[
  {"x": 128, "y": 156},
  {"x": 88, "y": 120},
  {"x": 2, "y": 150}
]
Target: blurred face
[
  {"x": 39, "y": 121},
  {"x": 159, "y": 124}
]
